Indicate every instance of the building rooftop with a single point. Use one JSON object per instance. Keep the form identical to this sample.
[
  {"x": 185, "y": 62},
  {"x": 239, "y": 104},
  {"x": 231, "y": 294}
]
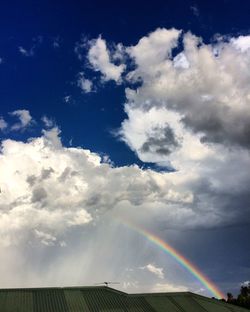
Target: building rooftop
[{"x": 102, "y": 298}]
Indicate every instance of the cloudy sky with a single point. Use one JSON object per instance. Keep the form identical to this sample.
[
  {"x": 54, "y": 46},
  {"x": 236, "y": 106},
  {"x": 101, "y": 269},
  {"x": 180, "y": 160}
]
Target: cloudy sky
[{"x": 124, "y": 111}]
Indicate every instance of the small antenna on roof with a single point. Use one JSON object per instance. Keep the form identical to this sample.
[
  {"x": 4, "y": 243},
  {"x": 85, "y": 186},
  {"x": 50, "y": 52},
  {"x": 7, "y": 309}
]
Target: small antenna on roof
[{"x": 107, "y": 283}]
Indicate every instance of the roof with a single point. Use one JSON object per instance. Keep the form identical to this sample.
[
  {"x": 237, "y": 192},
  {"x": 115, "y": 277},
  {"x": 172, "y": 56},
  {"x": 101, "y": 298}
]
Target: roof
[{"x": 105, "y": 299}]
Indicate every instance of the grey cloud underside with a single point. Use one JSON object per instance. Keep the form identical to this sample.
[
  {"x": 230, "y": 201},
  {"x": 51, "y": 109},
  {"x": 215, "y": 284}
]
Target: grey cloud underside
[
  {"x": 233, "y": 207},
  {"x": 71, "y": 187},
  {"x": 207, "y": 84},
  {"x": 212, "y": 126},
  {"x": 160, "y": 141},
  {"x": 38, "y": 195}
]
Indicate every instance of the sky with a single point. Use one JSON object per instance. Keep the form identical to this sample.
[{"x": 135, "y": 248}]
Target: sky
[{"x": 117, "y": 116}]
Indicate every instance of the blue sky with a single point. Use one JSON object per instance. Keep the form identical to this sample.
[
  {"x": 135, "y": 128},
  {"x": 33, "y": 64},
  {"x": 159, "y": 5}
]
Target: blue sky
[{"x": 135, "y": 109}]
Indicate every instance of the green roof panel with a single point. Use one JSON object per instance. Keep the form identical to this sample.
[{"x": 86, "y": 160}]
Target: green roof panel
[
  {"x": 138, "y": 304},
  {"x": 75, "y": 301},
  {"x": 162, "y": 304},
  {"x": 211, "y": 306},
  {"x": 16, "y": 301},
  {"x": 187, "y": 303},
  {"x": 105, "y": 299},
  {"x": 49, "y": 300}
]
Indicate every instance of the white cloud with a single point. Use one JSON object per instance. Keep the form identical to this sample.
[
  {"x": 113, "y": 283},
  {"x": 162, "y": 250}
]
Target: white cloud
[
  {"x": 242, "y": 43},
  {"x": 59, "y": 188},
  {"x": 119, "y": 53},
  {"x": 25, "y": 119},
  {"x": 155, "y": 270},
  {"x": 193, "y": 118},
  {"x": 180, "y": 61},
  {"x": 52, "y": 137},
  {"x": 100, "y": 59},
  {"x": 3, "y": 124},
  {"x": 207, "y": 174},
  {"x": 207, "y": 84},
  {"x": 86, "y": 85},
  {"x": 47, "y": 122},
  {"x": 191, "y": 113},
  {"x": 154, "y": 49},
  {"x": 245, "y": 283},
  {"x": 45, "y": 238},
  {"x": 29, "y": 197},
  {"x": 167, "y": 287}
]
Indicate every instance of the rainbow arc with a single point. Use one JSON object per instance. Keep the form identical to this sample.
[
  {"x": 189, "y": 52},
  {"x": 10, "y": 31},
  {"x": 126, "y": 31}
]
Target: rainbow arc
[{"x": 184, "y": 262}]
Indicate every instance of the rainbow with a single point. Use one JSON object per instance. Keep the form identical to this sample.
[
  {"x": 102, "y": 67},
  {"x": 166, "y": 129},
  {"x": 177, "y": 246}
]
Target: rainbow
[{"x": 184, "y": 262}]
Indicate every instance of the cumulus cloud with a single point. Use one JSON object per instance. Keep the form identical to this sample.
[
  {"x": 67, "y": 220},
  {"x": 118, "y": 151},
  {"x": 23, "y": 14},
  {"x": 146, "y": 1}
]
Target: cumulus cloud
[
  {"x": 58, "y": 195},
  {"x": 207, "y": 84},
  {"x": 242, "y": 43},
  {"x": 28, "y": 203},
  {"x": 100, "y": 59},
  {"x": 59, "y": 188},
  {"x": 85, "y": 85},
  {"x": 3, "y": 124},
  {"x": 119, "y": 53},
  {"x": 155, "y": 270},
  {"x": 24, "y": 117},
  {"x": 189, "y": 112},
  {"x": 154, "y": 49},
  {"x": 209, "y": 172}
]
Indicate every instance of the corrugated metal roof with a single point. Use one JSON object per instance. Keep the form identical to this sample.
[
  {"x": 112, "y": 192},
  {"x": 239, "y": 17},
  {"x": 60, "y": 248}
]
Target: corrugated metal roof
[{"x": 105, "y": 299}]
